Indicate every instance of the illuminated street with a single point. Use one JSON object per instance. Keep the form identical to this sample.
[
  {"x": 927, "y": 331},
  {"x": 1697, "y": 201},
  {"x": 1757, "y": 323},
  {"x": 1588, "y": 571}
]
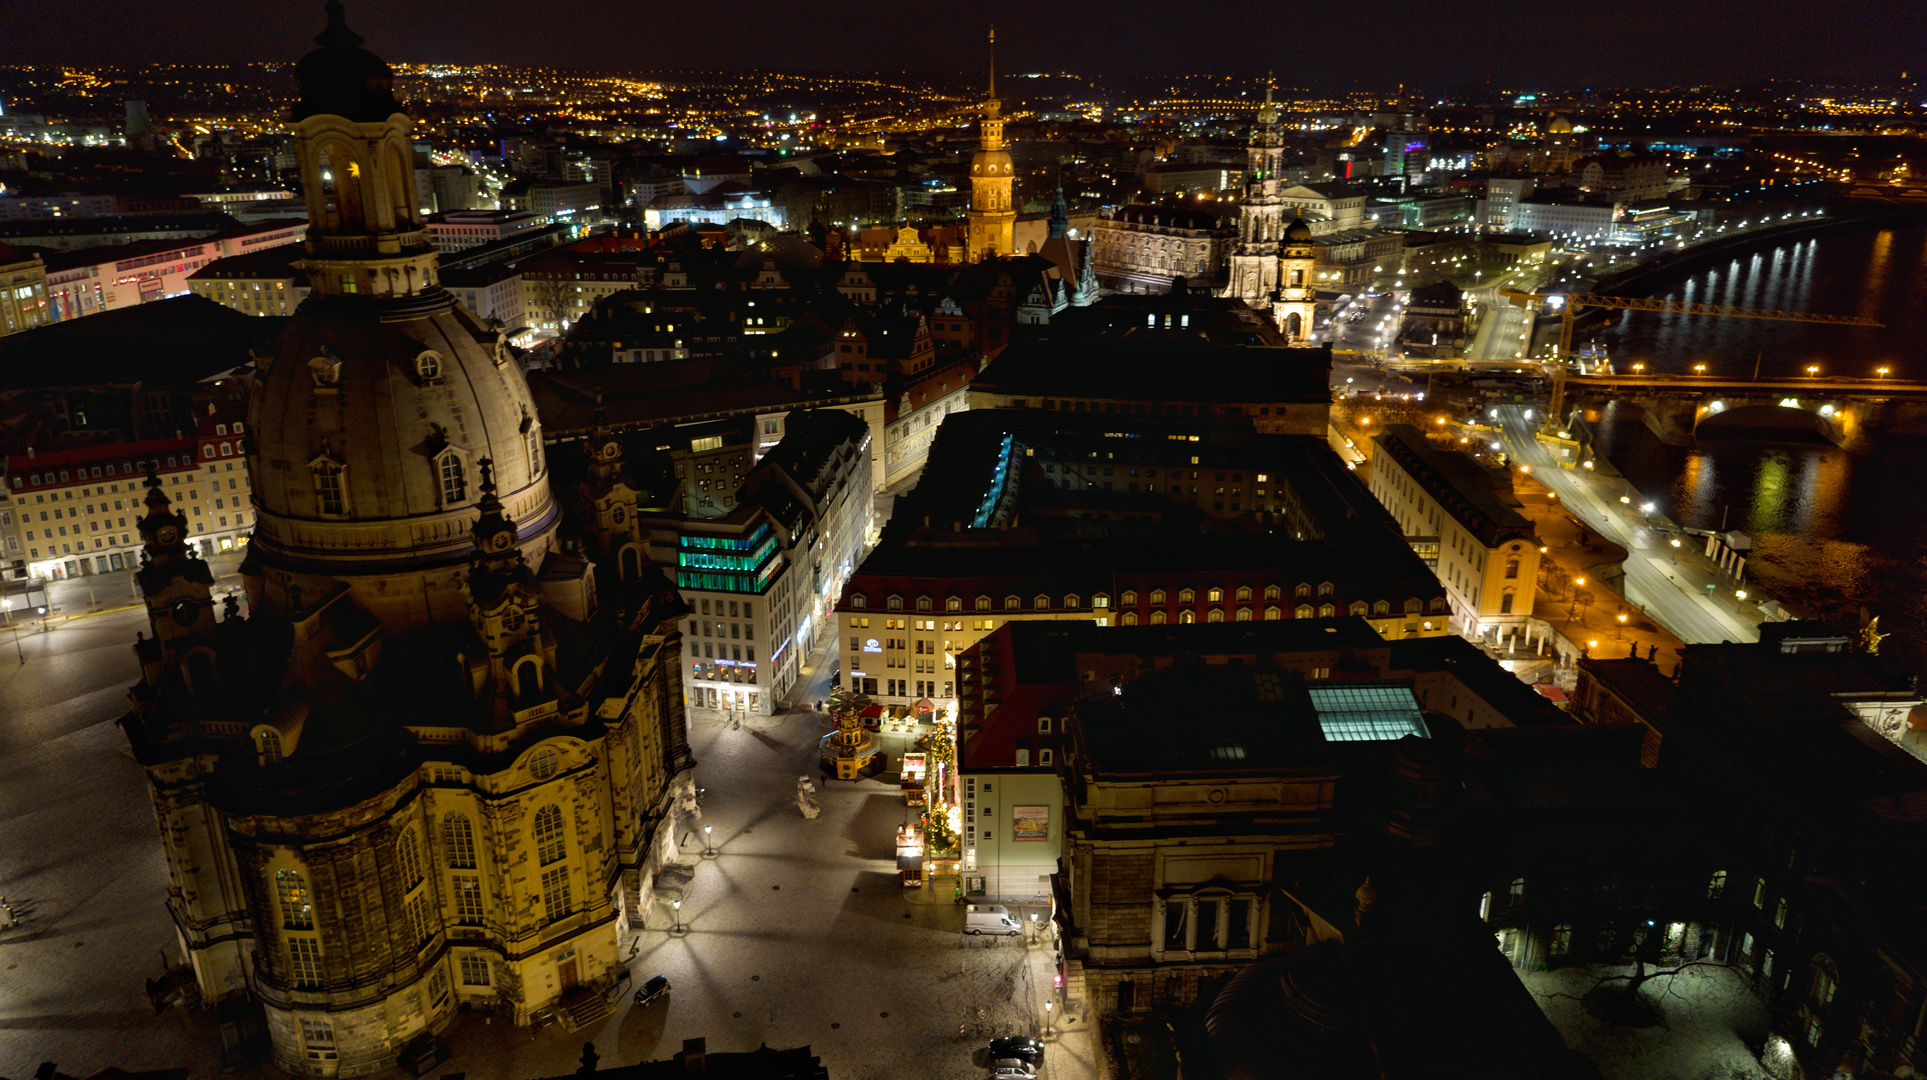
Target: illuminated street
[{"x": 1671, "y": 594}]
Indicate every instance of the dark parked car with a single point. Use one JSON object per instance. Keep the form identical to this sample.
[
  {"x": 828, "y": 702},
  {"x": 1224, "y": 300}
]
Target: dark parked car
[
  {"x": 1020, "y": 1047},
  {"x": 652, "y": 990}
]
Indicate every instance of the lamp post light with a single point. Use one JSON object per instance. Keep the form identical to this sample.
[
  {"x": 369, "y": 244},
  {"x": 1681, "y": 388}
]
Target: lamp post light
[
  {"x": 709, "y": 848},
  {"x": 1032, "y": 939},
  {"x": 6, "y": 605},
  {"x": 677, "y": 905},
  {"x": 1047, "y": 1018}
]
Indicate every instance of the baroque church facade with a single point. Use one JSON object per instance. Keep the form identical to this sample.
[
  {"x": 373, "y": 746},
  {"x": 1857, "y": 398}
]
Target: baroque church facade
[
  {"x": 1271, "y": 260},
  {"x": 442, "y": 761}
]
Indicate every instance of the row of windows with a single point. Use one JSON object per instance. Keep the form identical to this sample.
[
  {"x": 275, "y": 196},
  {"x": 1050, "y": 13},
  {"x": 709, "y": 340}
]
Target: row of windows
[
  {"x": 1129, "y": 598},
  {"x": 81, "y": 472}
]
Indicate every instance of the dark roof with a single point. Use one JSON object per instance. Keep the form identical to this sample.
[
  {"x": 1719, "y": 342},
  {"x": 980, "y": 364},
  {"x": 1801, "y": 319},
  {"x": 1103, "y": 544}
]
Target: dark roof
[
  {"x": 1171, "y": 215},
  {"x": 1461, "y": 485},
  {"x": 1075, "y": 365},
  {"x": 1235, "y": 720},
  {"x": 274, "y": 262},
  {"x": 170, "y": 342}
]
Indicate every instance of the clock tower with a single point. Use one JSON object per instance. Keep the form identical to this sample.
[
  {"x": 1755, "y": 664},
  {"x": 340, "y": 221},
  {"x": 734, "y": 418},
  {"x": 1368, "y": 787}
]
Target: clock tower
[{"x": 993, "y": 216}]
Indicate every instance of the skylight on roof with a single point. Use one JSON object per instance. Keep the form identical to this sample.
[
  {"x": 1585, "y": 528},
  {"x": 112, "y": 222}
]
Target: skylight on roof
[{"x": 1367, "y": 713}]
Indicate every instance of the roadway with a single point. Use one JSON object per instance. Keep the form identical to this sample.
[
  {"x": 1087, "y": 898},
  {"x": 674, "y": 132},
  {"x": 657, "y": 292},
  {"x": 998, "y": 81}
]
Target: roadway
[{"x": 1667, "y": 592}]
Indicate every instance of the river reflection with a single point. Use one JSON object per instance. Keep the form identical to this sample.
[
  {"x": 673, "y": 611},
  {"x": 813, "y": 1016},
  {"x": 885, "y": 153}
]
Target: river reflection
[{"x": 1832, "y": 530}]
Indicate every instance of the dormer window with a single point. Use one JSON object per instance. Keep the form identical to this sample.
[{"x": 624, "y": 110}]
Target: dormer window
[
  {"x": 326, "y": 371},
  {"x": 428, "y": 366}
]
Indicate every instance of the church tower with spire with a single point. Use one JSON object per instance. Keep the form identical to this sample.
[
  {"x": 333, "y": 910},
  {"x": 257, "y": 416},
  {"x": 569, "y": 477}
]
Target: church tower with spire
[
  {"x": 1254, "y": 255},
  {"x": 442, "y": 759},
  {"x": 993, "y": 215}
]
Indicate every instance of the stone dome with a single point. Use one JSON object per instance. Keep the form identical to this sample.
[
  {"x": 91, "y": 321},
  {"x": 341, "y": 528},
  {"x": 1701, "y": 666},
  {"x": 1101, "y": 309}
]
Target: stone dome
[
  {"x": 990, "y": 163},
  {"x": 369, "y": 430},
  {"x": 1559, "y": 126},
  {"x": 1298, "y": 232},
  {"x": 343, "y": 79}
]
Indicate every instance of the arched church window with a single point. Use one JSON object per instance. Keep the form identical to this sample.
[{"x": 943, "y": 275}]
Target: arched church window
[
  {"x": 458, "y": 842},
  {"x": 454, "y": 478},
  {"x": 429, "y": 366},
  {"x": 297, "y": 908},
  {"x": 408, "y": 856},
  {"x": 267, "y": 746},
  {"x": 330, "y": 493},
  {"x": 544, "y": 763},
  {"x": 548, "y": 835}
]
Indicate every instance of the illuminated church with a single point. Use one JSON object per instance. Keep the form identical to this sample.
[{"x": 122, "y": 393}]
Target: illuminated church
[{"x": 443, "y": 757}]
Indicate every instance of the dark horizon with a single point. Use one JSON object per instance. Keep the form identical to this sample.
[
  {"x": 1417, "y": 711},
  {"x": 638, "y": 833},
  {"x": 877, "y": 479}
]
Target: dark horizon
[{"x": 1639, "y": 44}]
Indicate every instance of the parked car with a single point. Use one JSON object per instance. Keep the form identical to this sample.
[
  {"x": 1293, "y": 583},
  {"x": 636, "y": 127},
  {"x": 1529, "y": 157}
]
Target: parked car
[
  {"x": 1022, "y": 1048},
  {"x": 652, "y": 990},
  {"x": 1011, "y": 1069}
]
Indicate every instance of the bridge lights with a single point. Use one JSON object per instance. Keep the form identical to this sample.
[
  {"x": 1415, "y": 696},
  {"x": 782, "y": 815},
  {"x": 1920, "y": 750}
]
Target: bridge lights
[
  {"x": 1813, "y": 371},
  {"x": 1883, "y": 371},
  {"x": 1699, "y": 369}
]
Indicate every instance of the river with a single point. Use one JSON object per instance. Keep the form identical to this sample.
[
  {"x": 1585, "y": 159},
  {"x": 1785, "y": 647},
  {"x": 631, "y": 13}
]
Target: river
[{"x": 1832, "y": 530}]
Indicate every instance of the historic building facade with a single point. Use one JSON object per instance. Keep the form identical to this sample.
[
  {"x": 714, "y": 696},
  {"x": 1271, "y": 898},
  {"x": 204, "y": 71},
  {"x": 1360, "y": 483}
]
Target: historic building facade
[{"x": 442, "y": 759}]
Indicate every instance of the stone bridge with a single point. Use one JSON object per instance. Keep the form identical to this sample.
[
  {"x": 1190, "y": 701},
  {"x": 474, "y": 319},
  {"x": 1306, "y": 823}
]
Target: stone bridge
[{"x": 1854, "y": 413}]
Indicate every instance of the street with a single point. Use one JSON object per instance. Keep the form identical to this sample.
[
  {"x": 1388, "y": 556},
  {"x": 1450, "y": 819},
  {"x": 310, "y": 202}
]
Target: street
[
  {"x": 1675, "y": 596},
  {"x": 795, "y": 931}
]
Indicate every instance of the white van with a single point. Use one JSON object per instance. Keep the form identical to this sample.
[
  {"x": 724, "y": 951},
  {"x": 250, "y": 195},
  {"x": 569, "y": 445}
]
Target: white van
[{"x": 990, "y": 919}]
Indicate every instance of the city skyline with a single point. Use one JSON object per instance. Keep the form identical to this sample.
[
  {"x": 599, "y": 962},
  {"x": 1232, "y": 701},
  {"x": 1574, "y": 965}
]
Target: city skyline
[{"x": 1644, "y": 44}]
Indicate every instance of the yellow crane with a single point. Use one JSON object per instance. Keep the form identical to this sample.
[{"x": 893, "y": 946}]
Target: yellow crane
[{"x": 1570, "y": 305}]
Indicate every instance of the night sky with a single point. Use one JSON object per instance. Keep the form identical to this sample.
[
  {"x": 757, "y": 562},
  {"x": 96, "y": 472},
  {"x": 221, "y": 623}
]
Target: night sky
[{"x": 1368, "y": 43}]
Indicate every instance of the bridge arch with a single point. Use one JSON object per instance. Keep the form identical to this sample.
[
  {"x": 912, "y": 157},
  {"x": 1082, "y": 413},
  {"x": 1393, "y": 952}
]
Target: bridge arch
[{"x": 1830, "y": 421}]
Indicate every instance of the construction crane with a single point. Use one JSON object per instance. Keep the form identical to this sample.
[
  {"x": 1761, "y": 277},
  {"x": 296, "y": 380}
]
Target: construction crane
[{"x": 1570, "y": 305}]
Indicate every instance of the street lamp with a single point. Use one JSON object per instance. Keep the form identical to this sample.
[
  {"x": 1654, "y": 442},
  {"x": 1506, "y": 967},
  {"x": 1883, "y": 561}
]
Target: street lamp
[
  {"x": 1047, "y": 1018},
  {"x": 1813, "y": 371},
  {"x": 708, "y": 847},
  {"x": 1033, "y": 916},
  {"x": 677, "y": 904},
  {"x": 1882, "y": 371}
]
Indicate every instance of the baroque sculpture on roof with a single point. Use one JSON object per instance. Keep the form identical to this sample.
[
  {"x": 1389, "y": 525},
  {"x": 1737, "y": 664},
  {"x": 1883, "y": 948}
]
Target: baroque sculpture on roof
[{"x": 441, "y": 760}]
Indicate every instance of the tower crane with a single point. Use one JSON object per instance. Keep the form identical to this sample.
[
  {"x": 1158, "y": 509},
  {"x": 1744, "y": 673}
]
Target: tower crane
[{"x": 1572, "y": 303}]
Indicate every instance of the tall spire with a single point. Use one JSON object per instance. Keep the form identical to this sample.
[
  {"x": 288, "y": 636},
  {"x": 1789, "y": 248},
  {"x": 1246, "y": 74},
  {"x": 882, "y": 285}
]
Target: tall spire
[{"x": 993, "y": 61}]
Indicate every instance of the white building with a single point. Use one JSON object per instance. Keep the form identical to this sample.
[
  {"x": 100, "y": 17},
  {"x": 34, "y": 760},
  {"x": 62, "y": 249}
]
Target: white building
[{"x": 762, "y": 579}]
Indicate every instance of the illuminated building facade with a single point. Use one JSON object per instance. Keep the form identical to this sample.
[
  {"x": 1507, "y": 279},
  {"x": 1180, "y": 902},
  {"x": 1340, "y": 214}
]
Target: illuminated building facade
[
  {"x": 1461, "y": 521},
  {"x": 440, "y": 761}
]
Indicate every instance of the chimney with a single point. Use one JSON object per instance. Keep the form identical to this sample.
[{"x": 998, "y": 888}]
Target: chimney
[{"x": 695, "y": 1059}]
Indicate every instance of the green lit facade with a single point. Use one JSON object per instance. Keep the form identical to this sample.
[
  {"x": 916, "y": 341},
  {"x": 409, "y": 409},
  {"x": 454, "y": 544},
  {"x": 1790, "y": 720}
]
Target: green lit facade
[{"x": 728, "y": 564}]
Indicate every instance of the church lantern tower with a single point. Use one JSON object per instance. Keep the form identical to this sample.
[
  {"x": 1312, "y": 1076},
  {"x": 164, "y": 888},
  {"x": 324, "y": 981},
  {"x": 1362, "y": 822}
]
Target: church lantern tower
[
  {"x": 1254, "y": 270},
  {"x": 1297, "y": 295},
  {"x": 993, "y": 216}
]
